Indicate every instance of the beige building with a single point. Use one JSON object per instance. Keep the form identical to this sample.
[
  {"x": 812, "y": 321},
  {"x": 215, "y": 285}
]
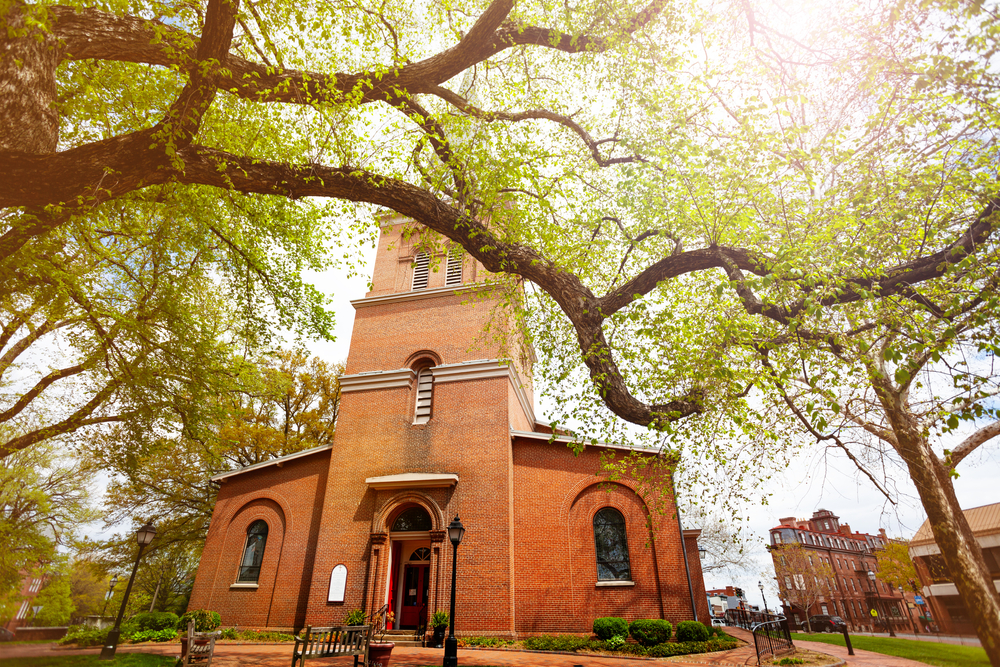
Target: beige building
[{"x": 943, "y": 607}]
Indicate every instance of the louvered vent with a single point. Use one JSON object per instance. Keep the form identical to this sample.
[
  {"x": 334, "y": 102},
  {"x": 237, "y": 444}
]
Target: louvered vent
[
  {"x": 454, "y": 267},
  {"x": 425, "y": 394},
  {"x": 421, "y": 264}
]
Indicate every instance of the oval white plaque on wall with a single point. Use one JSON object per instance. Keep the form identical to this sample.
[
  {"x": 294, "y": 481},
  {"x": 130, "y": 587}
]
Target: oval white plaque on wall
[{"x": 338, "y": 584}]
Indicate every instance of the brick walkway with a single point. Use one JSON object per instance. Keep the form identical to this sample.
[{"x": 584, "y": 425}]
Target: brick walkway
[{"x": 279, "y": 655}]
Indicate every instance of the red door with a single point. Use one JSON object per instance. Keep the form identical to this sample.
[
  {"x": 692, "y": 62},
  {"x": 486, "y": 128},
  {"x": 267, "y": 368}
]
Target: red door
[{"x": 415, "y": 585}]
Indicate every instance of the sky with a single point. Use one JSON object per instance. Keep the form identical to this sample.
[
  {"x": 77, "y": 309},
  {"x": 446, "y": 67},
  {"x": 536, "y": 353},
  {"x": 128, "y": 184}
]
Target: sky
[{"x": 812, "y": 481}]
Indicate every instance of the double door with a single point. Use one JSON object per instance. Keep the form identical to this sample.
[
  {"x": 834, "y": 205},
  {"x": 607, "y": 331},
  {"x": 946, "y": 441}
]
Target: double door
[{"x": 416, "y": 581}]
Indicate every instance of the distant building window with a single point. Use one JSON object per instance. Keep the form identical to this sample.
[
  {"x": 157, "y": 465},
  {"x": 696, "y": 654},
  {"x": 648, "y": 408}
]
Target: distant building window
[
  {"x": 611, "y": 543},
  {"x": 425, "y": 396},
  {"x": 454, "y": 275},
  {"x": 777, "y": 538},
  {"x": 421, "y": 267},
  {"x": 253, "y": 553},
  {"x": 412, "y": 519}
]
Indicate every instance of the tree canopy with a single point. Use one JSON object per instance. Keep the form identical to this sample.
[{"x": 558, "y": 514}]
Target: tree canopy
[{"x": 718, "y": 206}]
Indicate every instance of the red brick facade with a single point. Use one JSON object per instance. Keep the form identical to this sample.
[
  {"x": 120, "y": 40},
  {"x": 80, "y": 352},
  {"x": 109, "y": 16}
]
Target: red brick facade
[{"x": 527, "y": 563}]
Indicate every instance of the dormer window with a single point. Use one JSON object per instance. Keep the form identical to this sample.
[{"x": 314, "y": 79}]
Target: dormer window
[
  {"x": 454, "y": 275},
  {"x": 425, "y": 396},
  {"x": 421, "y": 269}
]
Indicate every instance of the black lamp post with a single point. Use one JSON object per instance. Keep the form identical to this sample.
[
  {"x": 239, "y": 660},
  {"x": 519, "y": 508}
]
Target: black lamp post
[
  {"x": 455, "y": 532},
  {"x": 760, "y": 585},
  {"x": 107, "y": 598},
  {"x": 885, "y": 620},
  {"x": 909, "y": 614},
  {"x": 144, "y": 537}
]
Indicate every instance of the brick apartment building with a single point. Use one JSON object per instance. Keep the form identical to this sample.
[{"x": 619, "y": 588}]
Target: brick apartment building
[
  {"x": 31, "y": 585},
  {"x": 948, "y": 613},
  {"x": 851, "y": 555},
  {"x": 437, "y": 420}
]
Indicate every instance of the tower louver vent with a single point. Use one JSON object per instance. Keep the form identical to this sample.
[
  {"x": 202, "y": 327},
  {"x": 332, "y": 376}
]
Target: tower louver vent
[
  {"x": 425, "y": 394},
  {"x": 421, "y": 264},
  {"x": 454, "y": 267}
]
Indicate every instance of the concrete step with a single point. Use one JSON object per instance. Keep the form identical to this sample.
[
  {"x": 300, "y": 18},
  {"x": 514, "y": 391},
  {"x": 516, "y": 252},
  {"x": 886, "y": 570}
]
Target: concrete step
[{"x": 404, "y": 642}]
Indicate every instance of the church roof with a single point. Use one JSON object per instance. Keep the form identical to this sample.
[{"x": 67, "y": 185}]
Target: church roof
[{"x": 263, "y": 464}]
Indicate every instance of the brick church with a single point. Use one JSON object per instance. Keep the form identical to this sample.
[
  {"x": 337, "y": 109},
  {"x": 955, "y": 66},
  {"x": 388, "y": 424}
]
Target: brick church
[{"x": 437, "y": 420}]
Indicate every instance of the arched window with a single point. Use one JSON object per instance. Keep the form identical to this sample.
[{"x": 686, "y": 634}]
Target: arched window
[
  {"x": 412, "y": 519},
  {"x": 612, "y": 546},
  {"x": 425, "y": 396},
  {"x": 421, "y": 267},
  {"x": 253, "y": 553},
  {"x": 454, "y": 274}
]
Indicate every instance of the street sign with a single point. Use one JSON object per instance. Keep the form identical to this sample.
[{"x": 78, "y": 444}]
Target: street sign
[
  {"x": 910, "y": 605},
  {"x": 918, "y": 599},
  {"x": 874, "y": 613}
]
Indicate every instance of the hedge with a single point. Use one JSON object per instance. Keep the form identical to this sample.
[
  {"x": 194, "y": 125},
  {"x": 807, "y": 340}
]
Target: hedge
[
  {"x": 610, "y": 626},
  {"x": 650, "y": 632}
]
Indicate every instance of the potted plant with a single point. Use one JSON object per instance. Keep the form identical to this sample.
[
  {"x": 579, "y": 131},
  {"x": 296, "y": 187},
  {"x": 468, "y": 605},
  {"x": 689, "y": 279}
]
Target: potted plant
[
  {"x": 379, "y": 650},
  {"x": 439, "y": 621}
]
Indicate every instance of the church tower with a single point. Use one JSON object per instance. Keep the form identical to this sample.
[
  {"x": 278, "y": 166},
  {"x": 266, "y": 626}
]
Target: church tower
[{"x": 436, "y": 421}]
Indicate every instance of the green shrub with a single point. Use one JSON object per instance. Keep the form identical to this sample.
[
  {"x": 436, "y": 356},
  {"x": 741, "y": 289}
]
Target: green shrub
[
  {"x": 229, "y": 633},
  {"x": 615, "y": 642},
  {"x": 84, "y": 636},
  {"x": 485, "y": 642},
  {"x": 154, "y": 620},
  {"x": 204, "y": 620},
  {"x": 610, "y": 626},
  {"x": 790, "y": 661},
  {"x": 650, "y": 632},
  {"x": 439, "y": 619},
  {"x": 556, "y": 643},
  {"x": 355, "y": 617},
  {"x": 166, "y": 635},
  {"x": 715, "y": 631},
  {"x": 692, "y": 631}
]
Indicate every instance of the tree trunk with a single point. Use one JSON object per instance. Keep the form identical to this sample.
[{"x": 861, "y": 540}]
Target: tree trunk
[
  {"x": 959, "y": 548},
  {"x": 28, "y": 61}
]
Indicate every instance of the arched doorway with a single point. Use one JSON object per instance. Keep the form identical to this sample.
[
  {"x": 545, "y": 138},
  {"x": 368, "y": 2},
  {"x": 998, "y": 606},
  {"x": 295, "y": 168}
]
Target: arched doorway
[{"x": 410, "y": 572}]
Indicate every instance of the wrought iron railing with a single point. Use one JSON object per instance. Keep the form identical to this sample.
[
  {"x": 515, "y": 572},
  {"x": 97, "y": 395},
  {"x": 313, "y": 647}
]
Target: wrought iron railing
[
  {"x": 771, "y": 637},
  {"x": 378, "y": 621}
]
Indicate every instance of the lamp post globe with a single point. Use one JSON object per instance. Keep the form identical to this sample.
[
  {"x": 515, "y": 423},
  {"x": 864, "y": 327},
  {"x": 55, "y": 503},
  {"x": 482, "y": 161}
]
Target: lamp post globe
[
  {"x": 456, "y": 531},
  {"x": 111, "y": 590},
  {"x": 760, "y": 585},
  {"x": 144, "y": 536}
]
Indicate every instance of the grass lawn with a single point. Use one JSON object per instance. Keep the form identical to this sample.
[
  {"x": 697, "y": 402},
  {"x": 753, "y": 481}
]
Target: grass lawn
[
  {"x": 121, "y": 660},
  {"x": 944, "y": 655}
]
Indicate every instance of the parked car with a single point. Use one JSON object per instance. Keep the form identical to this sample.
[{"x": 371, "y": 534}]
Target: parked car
[
  {"x": 6, "y": 635},
  {"x": 824, "y": 623},
  {"x": 718, "y": 622}
]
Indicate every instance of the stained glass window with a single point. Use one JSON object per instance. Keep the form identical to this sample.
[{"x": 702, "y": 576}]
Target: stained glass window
[
  {"x": 415, "y": 518},
  {"x": 253, "y": 553},
  {"x": 612, "y": 546}
]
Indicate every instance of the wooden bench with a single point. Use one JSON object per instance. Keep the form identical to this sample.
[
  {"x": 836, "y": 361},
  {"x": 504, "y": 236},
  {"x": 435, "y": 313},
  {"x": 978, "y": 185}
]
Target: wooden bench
[
  {"x": 198, "y": 646},
  {"x": 336, "y": 641}
]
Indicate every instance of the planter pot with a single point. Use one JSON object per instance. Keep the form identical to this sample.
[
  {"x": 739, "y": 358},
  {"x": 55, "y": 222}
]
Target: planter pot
[
  {"x": 437, "y": 641},
  {"x": 378, "y": 653}
]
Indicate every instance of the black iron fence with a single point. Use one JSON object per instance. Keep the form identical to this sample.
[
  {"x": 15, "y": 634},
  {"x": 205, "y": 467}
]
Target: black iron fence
[{"x": 771, "y": 635}]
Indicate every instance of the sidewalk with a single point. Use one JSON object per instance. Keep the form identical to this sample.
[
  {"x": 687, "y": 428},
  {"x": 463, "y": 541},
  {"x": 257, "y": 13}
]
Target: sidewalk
[
  {"x": 280, "y": 655},
  {"x": 859, "y": 659}
]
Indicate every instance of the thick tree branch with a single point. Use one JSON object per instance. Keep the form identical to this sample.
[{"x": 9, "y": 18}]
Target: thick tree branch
[{"x": 970, "y": 444}]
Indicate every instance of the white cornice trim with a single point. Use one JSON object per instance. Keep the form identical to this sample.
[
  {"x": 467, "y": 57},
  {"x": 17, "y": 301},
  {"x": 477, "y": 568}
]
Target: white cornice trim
[
  {"x": 377, "y": 380},
  {"x": 417, "y": 295},
  {"x": 412, "y": 480},
  {"x": 263, "y": 464},
  {"x": 566, "y": 439}
]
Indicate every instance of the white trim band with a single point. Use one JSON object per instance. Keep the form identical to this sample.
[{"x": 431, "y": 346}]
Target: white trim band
[
  {"x": 419, "y": 294},
  {"x": 377, "y": 380},
  {"x": 413, "y": 480},
  {"x": 614, "y": 584}
]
